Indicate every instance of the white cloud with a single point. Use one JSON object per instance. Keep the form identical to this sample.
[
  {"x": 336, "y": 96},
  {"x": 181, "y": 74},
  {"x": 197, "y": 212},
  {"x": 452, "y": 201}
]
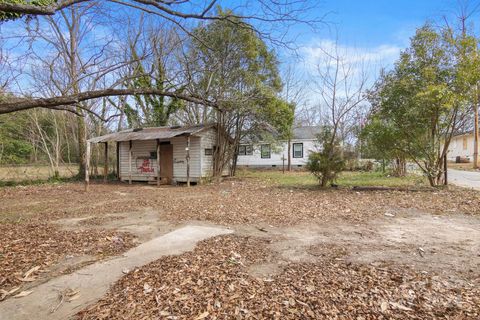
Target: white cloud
[{"x": 376, "y": 57}]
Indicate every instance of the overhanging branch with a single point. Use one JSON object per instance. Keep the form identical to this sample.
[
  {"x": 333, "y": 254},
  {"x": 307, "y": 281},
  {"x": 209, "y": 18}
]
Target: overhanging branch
[{"x": 19, "y": 104}]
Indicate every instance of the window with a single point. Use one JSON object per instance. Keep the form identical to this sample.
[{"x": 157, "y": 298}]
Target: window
[
  {"x": 245, "y": 150},
  {"x": 298, "y": 150},
  {"x": 209, "y": 152},
  {"x": 464, "y": 143},
  {"x": 153, "y": 155},
  {"x": 265, "y": 151}
]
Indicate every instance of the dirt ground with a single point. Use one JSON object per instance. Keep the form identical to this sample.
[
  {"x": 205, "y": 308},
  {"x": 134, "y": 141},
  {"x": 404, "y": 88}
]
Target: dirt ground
[{"x": 335, "y": 253}]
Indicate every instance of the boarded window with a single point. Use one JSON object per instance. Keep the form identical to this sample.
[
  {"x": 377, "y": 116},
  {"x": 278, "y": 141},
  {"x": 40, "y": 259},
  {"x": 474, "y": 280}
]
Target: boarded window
[
  {"x": 245, "y": 150},
  {"x": 465, "y": 144},
  {"x": 298, "y": 150},
  {"x": 208, "y": 151},
  {"x": 265, "y": 151}
]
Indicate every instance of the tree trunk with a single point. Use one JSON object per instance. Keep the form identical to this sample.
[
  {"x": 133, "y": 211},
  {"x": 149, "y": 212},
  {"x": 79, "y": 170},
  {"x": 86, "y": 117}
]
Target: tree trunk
[
  {"x": 475, "y": 137},
  {"x": 289, "y": 157},
  {"x": 82, "y": 140}
]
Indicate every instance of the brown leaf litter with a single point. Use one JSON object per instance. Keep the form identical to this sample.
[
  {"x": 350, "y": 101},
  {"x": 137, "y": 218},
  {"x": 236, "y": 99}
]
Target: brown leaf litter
[
  {"x": 28, "y": 251},
  {"x": 213, "y": 282}
]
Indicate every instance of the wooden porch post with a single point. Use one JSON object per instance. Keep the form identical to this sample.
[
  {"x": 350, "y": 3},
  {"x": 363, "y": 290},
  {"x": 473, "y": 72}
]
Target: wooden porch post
[
  {"x": 118, "y": 161},
  {"x": 105, "y": 166},
  {"x": 188, "y": 161},
  {"x": 87, "y": 167},
  {"x": 130, "y": 163},
  {"x": 158, "y": 163}
]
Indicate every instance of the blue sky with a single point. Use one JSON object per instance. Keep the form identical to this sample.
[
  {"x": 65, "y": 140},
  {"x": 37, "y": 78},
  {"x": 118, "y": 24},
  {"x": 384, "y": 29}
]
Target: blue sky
[
  {"x": 376, "y": 29},
  {"x": 377, "y": 22},
  {"x": 371, "y": 31}
]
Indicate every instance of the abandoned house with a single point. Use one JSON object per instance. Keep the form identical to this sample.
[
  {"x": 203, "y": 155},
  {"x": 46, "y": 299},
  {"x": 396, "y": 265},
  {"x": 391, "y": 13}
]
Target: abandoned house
[{"x": 165, "y": 155}]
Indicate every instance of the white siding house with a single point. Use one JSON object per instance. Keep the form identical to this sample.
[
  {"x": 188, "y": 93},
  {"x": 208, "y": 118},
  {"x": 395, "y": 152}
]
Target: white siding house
[
  {"x": 265, "y": 154},
  {"x": 137, "y": 152},
  {"x": 461, "y": 146}
]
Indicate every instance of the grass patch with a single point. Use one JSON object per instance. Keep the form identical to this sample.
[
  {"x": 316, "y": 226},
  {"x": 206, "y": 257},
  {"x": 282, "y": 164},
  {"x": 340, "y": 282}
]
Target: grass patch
[
  {"x": 37, "y": 182},
  {"x": 303, "y": 179},
  {"x": 379, "y": 179}
]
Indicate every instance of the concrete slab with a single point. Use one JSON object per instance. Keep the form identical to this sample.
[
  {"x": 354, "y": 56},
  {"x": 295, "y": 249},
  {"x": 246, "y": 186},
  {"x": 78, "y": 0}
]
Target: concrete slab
[{"x": 93, "y": 281}]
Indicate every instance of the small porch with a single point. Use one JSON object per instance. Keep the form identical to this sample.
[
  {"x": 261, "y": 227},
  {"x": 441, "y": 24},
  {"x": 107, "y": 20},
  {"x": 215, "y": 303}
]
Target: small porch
[{"x": 154, "y": 155}]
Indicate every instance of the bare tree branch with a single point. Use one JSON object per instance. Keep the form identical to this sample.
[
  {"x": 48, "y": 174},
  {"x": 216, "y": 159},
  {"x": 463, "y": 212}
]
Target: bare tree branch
[{"x": 18, "y": 104}]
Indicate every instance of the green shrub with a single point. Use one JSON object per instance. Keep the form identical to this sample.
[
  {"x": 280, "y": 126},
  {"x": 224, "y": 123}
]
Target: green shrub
[{"x": 326, "y": 164}]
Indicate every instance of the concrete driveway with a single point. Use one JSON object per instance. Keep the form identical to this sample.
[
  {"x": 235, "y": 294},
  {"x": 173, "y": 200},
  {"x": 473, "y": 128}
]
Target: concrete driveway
[{"x": 468, "y": 179}]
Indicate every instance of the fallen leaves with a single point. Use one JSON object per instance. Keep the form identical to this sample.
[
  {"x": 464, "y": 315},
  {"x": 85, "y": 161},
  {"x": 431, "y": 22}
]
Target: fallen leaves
[
  {"x": 29, "y": 250},
  {"x": 204, "y": 284},
  {"x": 229, "y": 202},
  {"x": 23, "y": 294}
]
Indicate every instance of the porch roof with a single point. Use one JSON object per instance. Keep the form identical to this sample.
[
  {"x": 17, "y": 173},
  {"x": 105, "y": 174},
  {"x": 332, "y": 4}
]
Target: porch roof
[{"x": 150, "y": 133}]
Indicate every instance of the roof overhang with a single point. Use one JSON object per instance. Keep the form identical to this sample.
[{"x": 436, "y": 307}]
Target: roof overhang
[{"x": 160, "y": 133}]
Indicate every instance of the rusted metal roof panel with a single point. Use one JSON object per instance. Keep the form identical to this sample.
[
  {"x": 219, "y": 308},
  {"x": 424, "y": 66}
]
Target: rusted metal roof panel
[{"x": 150, "y": 133}]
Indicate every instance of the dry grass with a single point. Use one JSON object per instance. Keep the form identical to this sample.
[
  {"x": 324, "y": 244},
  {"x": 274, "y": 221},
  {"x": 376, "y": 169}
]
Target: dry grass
[{"x": 34, "y": 173}]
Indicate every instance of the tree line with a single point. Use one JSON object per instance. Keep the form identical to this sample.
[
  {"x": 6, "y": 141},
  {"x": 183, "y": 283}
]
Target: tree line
[{"x": 88, "y": 71}]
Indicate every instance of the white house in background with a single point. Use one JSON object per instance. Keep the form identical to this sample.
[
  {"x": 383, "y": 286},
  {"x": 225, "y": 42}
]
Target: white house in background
[
  {"x": 265, "y": 154},
  {"x": 152, "y": 154},
  {"x": 461, "y": 145}
]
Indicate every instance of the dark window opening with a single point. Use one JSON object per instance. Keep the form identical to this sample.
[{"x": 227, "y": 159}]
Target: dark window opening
[
  {"x": 298, "y": 150},
  {"x": 208, "y": 151},
  {"x": 265, "y": 151},
  {"x": 245, "y": 150},
  {"x": 153, "y": 155}
]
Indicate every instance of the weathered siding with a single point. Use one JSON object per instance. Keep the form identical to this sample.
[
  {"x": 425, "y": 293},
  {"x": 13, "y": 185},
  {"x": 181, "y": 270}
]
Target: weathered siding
[
  {"x": 180, "y": 158},
  {"x": 142, "y": 149},
  {"x": 139, "y": 149},
  {"x": 278, "y": 151},
  {"x": 208, "y": 140}
]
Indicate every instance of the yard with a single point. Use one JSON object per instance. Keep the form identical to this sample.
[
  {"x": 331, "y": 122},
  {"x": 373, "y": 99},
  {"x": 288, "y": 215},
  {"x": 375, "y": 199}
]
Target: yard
[{"x": 296, "y": 251}]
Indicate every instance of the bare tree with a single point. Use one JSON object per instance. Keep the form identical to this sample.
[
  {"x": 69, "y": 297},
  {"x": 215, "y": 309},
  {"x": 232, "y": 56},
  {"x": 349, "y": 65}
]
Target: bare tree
[
  {"x": 294, "y": 93},
  {"x": 340, "y": 84},
  {"x": 266, "y": 15}
]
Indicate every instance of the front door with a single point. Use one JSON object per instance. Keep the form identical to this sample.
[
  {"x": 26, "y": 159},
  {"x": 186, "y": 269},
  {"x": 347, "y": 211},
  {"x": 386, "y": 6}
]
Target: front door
[{"x": 166, "y": 162}]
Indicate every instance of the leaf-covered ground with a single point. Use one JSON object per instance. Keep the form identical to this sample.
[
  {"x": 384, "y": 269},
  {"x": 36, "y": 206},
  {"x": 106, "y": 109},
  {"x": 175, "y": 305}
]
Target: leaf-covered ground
[
  {"x": 34, "y": 241},
  {"x": 38, "y": 247},
  {"x": 227, "y": 203},
  {"x": 213, "y": 282}
]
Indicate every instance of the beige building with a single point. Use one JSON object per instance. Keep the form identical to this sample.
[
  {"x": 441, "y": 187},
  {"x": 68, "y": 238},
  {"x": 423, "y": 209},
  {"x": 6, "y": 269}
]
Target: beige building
[
  {"x": 170, "y": 154},
  {"x": 461, "y": 146}
]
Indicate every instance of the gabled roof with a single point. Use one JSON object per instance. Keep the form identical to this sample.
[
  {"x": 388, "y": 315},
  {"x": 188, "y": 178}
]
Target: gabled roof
[
  {"x": 151, "y": 133},
  {"x": 306, "y": 132}
]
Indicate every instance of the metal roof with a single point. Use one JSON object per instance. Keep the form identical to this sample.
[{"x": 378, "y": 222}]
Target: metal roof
[{"x": 150, "y": 133}]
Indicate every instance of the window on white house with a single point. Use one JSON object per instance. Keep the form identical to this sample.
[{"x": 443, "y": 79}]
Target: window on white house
[
  {"x": 245, "y": 150},
  {"x": 209, "y": 152},
  {"x": 265, "y": 151},
  {"x": 465, "y": 143},
  {"x": 242, "y": 150},
  {"x": 298, "y": 150}
]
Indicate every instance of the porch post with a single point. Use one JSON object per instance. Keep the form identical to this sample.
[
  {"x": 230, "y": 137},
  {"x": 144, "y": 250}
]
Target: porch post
[
  {"x": 105, "y": 167},
  {"x": 188, "y": 160},
  {"x": 130, "y": 163},
  {"x": 158, "y": 163},
  {"x": 87, "y": 167}
]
